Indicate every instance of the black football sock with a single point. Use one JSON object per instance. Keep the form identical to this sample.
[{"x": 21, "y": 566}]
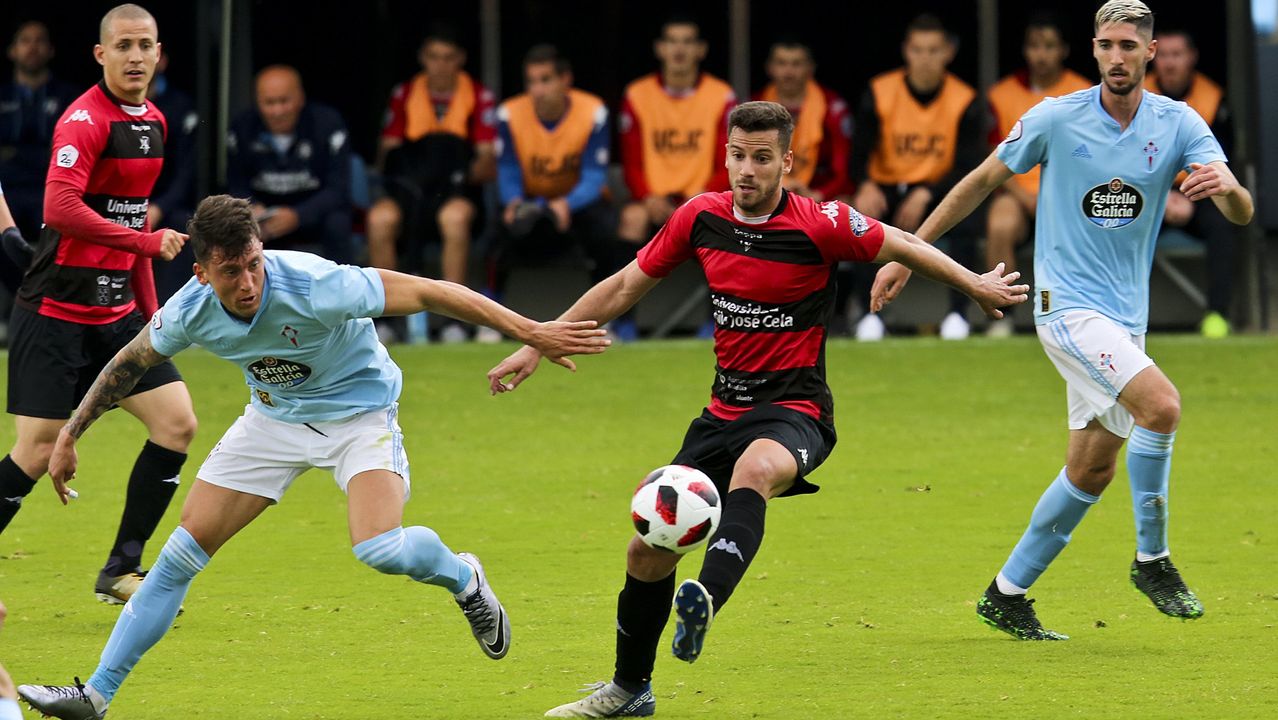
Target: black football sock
[
  {"x": 14, "y": 485},
  {"x": 733, "y": 547},
  {"x": 642, "y": 611},
  {"x": 151, "y": 486}
]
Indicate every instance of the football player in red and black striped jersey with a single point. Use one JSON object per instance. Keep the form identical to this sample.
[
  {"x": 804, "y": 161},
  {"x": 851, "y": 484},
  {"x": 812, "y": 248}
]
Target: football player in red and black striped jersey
[
  {"x": 769, "y": 258},
  {"x": 90, "y": 289}
]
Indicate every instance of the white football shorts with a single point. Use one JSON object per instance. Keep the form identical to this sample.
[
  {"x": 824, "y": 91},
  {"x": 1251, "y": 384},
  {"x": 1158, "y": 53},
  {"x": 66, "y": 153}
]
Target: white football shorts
[
  {"x": 1097, "y": 357},
  {"x": 262, "y": 456}
]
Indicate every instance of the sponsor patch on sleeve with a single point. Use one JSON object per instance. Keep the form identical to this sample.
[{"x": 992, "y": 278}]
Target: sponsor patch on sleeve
[
  {"x": 67, "y": 156},
  {"x": 857, "y": 221}
]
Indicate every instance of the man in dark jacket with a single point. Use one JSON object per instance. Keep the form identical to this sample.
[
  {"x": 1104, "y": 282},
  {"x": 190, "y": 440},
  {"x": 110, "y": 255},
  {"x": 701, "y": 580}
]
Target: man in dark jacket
[{"x": 291, "y": 158}]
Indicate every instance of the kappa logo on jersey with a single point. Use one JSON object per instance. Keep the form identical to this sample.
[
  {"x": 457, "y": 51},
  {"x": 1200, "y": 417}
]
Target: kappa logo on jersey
[
  {"x": 67, "y": 155},
  {"x": 831, "y": 210},
  {"x": 857, "y": 221},
  {"x": 280, "y": 373},
  {"x": 81, "y": 115},
  {"x": 746, "y": 244},
  {"x": 1113, "y": 205},
  {"x": 1015, "y": 133}
]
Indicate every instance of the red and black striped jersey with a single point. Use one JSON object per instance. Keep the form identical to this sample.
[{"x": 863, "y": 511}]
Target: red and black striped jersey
[
  {"x": 772, "y": 288},
  {"x": 93, "y": 258}
]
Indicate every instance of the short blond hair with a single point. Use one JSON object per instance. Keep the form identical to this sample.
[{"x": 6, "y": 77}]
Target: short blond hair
[{"x": 1126, "y": 11}]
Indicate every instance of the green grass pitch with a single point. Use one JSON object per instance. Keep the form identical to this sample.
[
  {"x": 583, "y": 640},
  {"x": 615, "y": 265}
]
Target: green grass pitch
[{"x": 860, "y": 605}]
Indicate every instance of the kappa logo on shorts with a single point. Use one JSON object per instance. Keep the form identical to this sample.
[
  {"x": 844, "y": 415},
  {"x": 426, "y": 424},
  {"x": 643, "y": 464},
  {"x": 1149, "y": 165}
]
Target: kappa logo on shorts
[{"x": 803, "y": 453}]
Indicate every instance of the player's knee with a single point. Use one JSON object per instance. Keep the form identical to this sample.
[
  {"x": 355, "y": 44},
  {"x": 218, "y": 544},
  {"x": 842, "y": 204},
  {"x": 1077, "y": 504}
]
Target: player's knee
[
  {"x": 648, "y": 564},
  {"x": 456, "y": 215},
  {"x": 1163, "y": 415},
  {"x": 177, "y": 432},
  {"x": 385, "y": 215},
  {"x": 1093, "y": 478}
]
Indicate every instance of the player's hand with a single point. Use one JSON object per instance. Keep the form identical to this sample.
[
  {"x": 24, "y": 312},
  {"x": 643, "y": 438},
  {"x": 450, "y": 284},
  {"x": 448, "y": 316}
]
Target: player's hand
[
  {"x": 659, "y": 209},
  {"x": 1180, "y": 209},
  {"x": 1207, "y": 180},
  {"x": 62, "y": 464},
  {"x": 171, "y": 243},
  {"x": 994, "y": 290},
  {"x": 557, "y": 338},
  {"x": 913, "y": 209},
  {"x": 562, "y": 213},
  {"x": 870, "y": 200},
  {"x": 279, "y": 223},
  {"x": 889, "y": 281},
  {"x": 520, "y": 364}
]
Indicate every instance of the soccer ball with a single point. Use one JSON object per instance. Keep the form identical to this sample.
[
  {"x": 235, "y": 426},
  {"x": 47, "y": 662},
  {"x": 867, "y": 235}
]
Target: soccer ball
[{"x": 675, "y": 508}]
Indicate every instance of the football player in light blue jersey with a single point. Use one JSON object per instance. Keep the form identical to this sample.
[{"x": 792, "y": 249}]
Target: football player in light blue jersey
[
  {"x": 1109, "y": 154},
  {"x": 324, "y": 395}
]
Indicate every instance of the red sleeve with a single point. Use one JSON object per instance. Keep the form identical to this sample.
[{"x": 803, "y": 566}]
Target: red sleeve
[
  {"x": 144, "y": 287},
  {"x": 719, "y": 179},
  {"x": 672, "y": 243},
  {"x": 76, "y": 148},
  {"x": 483, "y": 120},
  {"x": 631, "y": 136},
  {"x": 836, "y": 148},
  {"x": 851, "y": 235},
  {"x": 394, "y": 125}
]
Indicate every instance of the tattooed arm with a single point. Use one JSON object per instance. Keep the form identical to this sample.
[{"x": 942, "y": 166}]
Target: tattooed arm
[{"x": 113, "y": 384}]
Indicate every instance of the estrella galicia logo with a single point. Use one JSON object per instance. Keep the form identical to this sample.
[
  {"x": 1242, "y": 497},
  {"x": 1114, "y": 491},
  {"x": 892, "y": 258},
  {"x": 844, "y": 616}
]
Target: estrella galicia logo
[
  {"x": 1113, "y": 204},
  {"x": 280, "y": 373}
]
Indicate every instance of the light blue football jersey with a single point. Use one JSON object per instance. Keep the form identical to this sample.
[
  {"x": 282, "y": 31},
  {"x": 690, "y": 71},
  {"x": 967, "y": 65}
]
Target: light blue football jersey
[
  {"x": 310, "y": 353},
  {"x": 1101, "y": 199}
]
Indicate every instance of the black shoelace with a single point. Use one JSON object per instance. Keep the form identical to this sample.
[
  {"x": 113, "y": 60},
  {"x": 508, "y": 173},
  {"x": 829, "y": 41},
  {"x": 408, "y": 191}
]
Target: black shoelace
[
  {"x": 72, "y": 692},
  {"x": 477, "y": 612}
]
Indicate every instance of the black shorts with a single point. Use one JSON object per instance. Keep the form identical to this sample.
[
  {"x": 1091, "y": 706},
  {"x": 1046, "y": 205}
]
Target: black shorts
[
  {"x": 713, "y": 445},
  {"x": 53, "y": 363}
]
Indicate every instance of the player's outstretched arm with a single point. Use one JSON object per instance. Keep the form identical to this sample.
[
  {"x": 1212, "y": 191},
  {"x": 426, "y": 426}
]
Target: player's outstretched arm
[
  {"x": 407, "y": 294},
  {"x": 112, "y": 385},
  {"x": 1216, "y": 181},
  {"x": 966, "y": 196},
  {"x": 601, "y": 303},
  {"x": 991, "y": 291}
]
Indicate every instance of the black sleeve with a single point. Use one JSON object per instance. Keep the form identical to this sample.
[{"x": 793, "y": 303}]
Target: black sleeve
[
  {"x": 332, "y": 164},
  {"x": 970, "y": 148},
  {"x": 865, "y": 137}
]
